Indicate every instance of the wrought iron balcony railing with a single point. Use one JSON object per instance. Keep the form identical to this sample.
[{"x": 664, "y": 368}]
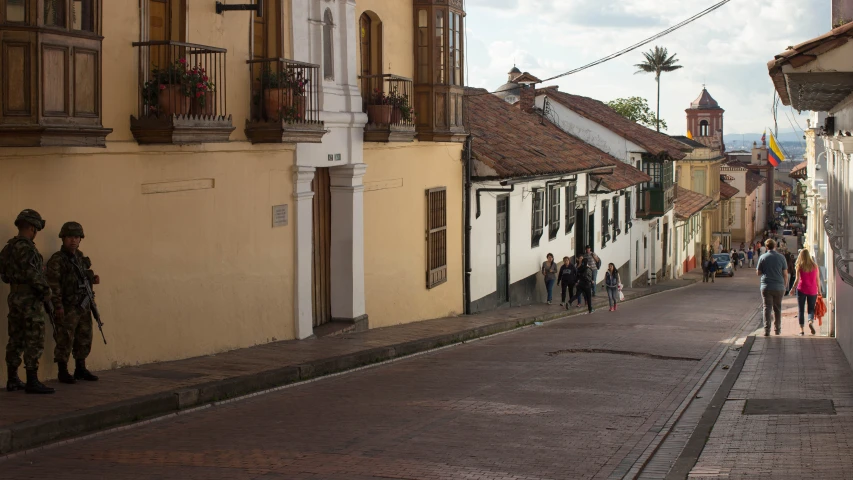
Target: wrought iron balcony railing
[
  {"x": 182, "y": 94},
  {"x": 388, "y": 102}
]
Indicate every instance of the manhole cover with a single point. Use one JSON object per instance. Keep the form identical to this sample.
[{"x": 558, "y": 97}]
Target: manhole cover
[
  {"x": 167, "y": 374},
  {"x": 788, "y": 406}
]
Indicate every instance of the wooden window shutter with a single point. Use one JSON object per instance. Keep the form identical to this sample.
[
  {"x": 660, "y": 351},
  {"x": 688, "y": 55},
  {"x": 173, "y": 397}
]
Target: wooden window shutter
[{"x": 436, "y": 237}]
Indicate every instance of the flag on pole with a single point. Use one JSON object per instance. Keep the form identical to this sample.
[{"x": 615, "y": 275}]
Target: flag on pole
[
  {"x": 774, "y": 153},
  {"x": 689, "y": 135},
  {"x": 764, "y": 137}
]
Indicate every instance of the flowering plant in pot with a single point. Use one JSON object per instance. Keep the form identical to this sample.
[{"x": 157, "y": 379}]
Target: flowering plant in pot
[
  {"x": 402, "y": 111},
  {"x": 201, "y": 91},
  {"x": 167, "y": 92},
  {"x": 379, "y": 108},
  {"x": 283, "y": 94}
]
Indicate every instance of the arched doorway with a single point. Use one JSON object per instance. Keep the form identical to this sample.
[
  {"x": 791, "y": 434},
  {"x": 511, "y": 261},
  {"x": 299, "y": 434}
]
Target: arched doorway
[{"x": 370, "y": 53}]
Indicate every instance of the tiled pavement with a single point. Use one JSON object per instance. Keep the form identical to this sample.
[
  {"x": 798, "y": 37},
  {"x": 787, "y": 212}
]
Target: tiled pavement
[
  {"x": 785, "y": 446},
  {"x": 134, "y": 393}
]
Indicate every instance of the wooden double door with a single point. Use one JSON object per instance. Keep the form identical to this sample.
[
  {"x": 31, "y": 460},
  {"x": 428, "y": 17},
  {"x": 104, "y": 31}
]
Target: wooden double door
[{"x": 321, "y": 290}]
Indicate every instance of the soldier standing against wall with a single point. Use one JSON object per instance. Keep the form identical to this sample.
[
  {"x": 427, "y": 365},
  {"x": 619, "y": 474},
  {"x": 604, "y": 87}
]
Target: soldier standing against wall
[
  {"x": 22, "y": 266},
  {"x": 65, "y": 275}
]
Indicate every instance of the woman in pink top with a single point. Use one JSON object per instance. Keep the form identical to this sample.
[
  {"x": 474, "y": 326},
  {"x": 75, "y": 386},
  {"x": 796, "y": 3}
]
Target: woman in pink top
[{"x": 806, "y": 287}]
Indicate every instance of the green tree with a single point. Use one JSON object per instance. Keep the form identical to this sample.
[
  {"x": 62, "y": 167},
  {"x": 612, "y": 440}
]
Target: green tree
[
  {"x": 658, "y": 61},
  {"x": 637, "y": 110}
]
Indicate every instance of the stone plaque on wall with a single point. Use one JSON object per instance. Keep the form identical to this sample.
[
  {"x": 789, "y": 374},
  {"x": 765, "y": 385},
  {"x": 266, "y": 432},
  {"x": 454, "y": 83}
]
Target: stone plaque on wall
[{"x": 279, "y": 215}]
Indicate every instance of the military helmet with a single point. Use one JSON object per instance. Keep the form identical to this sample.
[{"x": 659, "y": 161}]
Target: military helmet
[
  {"x": 31, "y": 217},
  {"x": 71, "y": 229}
]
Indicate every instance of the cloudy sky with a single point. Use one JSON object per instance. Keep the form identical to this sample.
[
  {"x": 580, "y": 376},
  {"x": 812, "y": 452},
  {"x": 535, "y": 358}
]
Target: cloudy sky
[{"x": 727, "y": 50}]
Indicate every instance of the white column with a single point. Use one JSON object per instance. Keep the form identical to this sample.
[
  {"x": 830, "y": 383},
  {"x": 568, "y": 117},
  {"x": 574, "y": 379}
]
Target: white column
[
  {"x": 347, "y": 191},
  {"x": 303, "y": 257}
]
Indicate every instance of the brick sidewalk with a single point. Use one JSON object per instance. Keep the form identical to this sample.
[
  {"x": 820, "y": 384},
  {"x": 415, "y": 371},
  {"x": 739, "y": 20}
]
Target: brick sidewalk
[
  {"x": 785, "y": 445},
  {"x": 130, "y": 394}
]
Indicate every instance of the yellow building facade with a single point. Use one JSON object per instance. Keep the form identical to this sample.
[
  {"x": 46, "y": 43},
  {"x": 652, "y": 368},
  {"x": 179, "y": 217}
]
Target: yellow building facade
[
  {"x": 700, "y": 172},
  {"x": 232, "y": 190}
]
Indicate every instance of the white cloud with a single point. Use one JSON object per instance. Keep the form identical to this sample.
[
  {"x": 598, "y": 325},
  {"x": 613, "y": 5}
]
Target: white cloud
[{"x": 728, "y": 49}]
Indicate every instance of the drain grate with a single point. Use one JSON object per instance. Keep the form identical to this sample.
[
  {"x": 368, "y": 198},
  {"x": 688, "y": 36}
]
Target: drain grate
[
  {"x": 621, "y": 352},
  {"x": 788, "y": 406}
]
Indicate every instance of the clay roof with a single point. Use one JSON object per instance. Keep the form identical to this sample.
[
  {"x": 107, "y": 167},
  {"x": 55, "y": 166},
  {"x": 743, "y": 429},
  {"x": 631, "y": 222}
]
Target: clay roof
[
  {"x": 512, "y": 143},
  {"x": 688, "y": 202},
  {"x": 623, "y": 177},
  {"x": 780, "y": 185},
  {"x": 753, "y": 181},
  {"x": 727, "y": 191},
  {"x": 804, "y": 53},
  {"x": 737, "y": 164},
  {"x": 688, "y": 141},
  {"x": 653, "y": 142},
  {"x": 800, "y": 170},
  {"x": 525, "y": 77},
  {"x": 704, "y": 102}
]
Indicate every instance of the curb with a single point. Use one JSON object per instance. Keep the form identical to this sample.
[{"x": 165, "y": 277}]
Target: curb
[
  {"x": 693, "y": 450},
  {"x": 33, "y": 433}
]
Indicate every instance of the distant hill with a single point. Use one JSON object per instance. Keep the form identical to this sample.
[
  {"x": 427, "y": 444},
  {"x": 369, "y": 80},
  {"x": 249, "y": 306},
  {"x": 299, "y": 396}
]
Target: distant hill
[{"x": 748, "y": 138}]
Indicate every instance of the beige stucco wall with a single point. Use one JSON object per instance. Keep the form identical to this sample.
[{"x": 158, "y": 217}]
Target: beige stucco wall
[
  {"x": 395, "y": 231},
  {"x": 185, "y": 273},
  {"x": 397, "y": 34}
]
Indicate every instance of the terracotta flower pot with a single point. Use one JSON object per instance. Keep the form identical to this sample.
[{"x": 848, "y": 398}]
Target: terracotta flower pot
[
  {"x": 379, "y": 114},
  {"x": 275, "y": 100},
  {"x": 209, "y": 107},
  {"x": 172, "y": 101}
]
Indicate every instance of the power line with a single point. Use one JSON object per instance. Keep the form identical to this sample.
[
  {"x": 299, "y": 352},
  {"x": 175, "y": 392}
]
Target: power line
[{"x": 628, "y": 49}]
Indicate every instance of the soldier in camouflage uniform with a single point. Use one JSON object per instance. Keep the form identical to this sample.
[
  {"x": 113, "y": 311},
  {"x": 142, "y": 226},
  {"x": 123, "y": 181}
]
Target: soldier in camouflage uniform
[
  {"x": 22, "y": 266},
  {"x": 66, "y": 271}
]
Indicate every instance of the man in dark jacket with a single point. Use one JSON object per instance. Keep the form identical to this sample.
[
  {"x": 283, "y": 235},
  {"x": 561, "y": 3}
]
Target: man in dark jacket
[
  {"x": 712, "y": 268},
  {"x": 586, "y": 279},
  {"x": 566, "y": 279}
]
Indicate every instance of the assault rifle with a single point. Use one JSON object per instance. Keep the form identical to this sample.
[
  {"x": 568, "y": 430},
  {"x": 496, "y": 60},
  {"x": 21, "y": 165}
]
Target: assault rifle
[
  {"x": 51, "y": 313},
  {"x": 89, "y": 299}
]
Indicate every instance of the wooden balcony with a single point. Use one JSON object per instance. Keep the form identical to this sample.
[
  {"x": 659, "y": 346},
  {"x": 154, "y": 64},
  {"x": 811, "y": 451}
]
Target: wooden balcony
[
  {"x": 390, "y": 113},
  {"x": 656, "y": 201},
  {"x": 182, "y": 91},
  {"x": 285, "y": 102}
]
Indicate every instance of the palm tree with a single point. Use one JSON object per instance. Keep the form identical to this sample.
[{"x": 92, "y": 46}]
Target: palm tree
[{"x": 657, "y": 62}]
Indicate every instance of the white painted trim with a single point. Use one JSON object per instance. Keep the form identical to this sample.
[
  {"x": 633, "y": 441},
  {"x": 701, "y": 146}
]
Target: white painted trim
[{"x": 303, "y": 214}]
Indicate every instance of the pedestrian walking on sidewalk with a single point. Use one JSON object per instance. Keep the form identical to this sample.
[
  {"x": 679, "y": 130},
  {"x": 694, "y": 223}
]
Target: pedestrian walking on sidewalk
[
  {"x": 712, "y": 268},
  {"x": 749, "y": 256},
  {"x": 585, "y": 282},
  {"x": 549, "y": 271},
  {"x": 594, "y": 263},
  {"x": 805, "y": 285},
  {"x": 613, "y": 285},
  {"x": 578, "y": 260},
  {"x": 705, "y": 264},
  {"x": 773, "y": 270},
  {"x": 567, "y": 279},
  {"x": 734, "y": 256}
]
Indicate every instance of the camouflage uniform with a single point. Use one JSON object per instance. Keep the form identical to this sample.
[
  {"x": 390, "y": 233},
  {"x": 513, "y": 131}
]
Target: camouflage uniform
[
  {"x": 24, "y": 269},
  {"x": 74, "y": 329}
]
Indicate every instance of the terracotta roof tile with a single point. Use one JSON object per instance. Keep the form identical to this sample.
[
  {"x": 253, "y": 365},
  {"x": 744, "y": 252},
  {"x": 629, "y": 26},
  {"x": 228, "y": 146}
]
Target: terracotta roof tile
[
  {"x": 800, "y": 170},
  {"x": 783, "y": 186},
  {"x": 727, "y": 191},
  {"x": 753, "y": 181},
  {"x": 688, "y": 202},
  {"x": 688, "y": 141},
  {"x": 512, "y": 143},
  {"x": 623, "y": 177},
  {"x": 652, "y": 141}
]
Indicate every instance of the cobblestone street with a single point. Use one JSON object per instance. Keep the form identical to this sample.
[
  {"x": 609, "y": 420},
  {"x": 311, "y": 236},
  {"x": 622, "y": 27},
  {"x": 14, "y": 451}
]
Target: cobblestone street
[{"x": 583, "y": 397}]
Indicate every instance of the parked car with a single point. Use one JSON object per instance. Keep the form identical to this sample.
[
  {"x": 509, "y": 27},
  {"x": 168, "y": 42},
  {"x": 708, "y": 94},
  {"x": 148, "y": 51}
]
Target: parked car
[{"x": 724, "y": 265}]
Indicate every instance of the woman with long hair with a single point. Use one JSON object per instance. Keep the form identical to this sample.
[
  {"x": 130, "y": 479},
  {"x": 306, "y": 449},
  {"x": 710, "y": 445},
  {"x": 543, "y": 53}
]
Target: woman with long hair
[
  {"x": 549, "y": 271},
  {"x": 806, "y": 287},
  {"x": 611, "y": 281},
  {"x": 585, "y": 282}
]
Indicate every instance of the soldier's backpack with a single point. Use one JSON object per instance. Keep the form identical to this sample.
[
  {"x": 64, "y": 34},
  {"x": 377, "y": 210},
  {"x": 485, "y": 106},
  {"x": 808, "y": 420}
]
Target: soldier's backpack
[{"x": 5, "y": 260}]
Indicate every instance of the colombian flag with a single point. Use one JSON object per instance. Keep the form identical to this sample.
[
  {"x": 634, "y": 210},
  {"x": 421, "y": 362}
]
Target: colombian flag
[
  {"x": 689, "y": 135},
  {"x": 774, "y": 155}
]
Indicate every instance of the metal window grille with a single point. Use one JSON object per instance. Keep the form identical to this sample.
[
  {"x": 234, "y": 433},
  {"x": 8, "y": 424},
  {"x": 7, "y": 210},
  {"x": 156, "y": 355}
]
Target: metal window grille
[
  {"x": 615, "y": 218},
  {"x": 538, "y": 217},
  {"x": 605, "y": 222},
  {"x": 571, "y": 206},
  {"x": 628, "y": 215},
  {"x": 554, "y": 217},
  {"x": 436, "y": 236}
]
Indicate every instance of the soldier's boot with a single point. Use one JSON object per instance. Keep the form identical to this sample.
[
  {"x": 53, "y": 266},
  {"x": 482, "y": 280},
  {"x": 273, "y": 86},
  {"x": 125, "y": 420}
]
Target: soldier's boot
[
  {"x": 14, "y": 382},
  {"x": 64, "y": 375},
  {"x": 34, "y": 385},
  {"x": 81, "y": 373}
]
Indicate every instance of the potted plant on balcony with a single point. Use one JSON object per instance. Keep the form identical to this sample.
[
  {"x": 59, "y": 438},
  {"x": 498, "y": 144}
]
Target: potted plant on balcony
[
  {"x": 167, "y": 93},
  {"x": 379, "y": 108},
  {"x": 401, "y": 111},
  {"x": 201, "y": 91},
  {"x": 283, "y": 94}
]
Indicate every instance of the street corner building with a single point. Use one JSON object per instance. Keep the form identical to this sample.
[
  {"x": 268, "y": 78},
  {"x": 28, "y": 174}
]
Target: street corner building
[
  {"x": 236, "y": 180},
  {"x": 817, "y": 75}
]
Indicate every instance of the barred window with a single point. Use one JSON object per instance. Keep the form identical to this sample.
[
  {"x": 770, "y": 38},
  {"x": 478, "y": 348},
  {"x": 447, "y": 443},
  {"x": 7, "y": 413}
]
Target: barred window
[
  {"x": 436, "y": 236},
  {"x": 605, "y": 222},
  {"x": 554, "y": 212},
  {"x": 615, "y": 218},
  {"x": 628, "y": 215},
  {"x": 538, "y": 217},
  {"x": 571, "y": 206}
]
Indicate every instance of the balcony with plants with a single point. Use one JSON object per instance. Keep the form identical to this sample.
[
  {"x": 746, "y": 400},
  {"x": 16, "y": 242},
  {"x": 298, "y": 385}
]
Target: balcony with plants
[
  {"x": 390, "y": 115},
  {"x": 285, "y": 102},
  {"x": 181, "y": 94}
]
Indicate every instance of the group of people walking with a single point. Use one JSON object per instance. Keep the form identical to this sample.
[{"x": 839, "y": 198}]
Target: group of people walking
[
  {"x": 782, "y": 276},
  {"x": 578, "y": 276}
]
